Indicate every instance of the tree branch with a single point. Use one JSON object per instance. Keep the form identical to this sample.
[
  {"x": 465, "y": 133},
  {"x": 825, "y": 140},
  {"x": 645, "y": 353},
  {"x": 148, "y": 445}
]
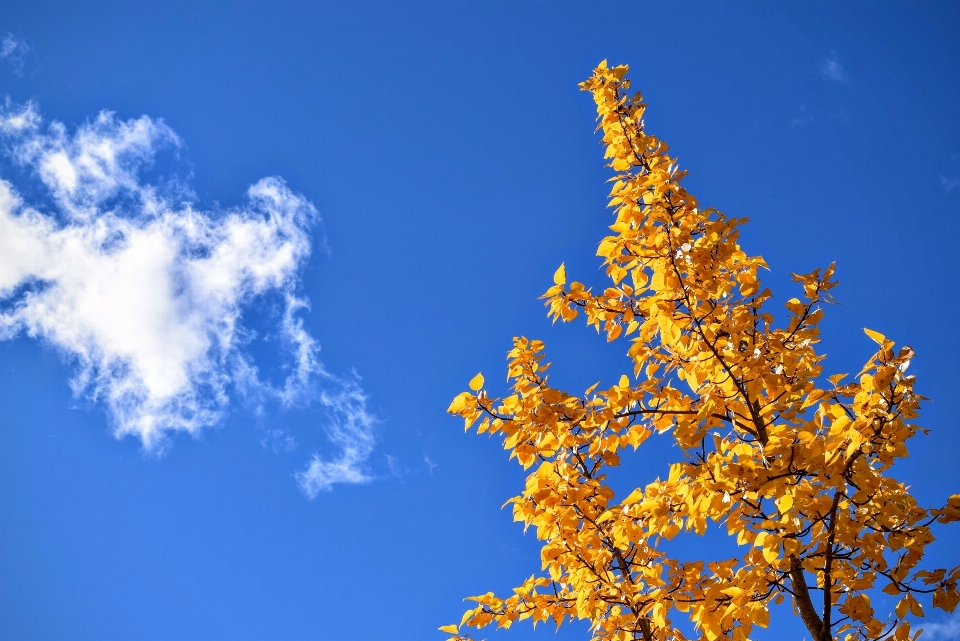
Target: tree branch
[{"x": 801, "y": 595}]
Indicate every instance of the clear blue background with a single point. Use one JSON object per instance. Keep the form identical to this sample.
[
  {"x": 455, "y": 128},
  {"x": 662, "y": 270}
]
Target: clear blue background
[{"x": 454, "y": 163}]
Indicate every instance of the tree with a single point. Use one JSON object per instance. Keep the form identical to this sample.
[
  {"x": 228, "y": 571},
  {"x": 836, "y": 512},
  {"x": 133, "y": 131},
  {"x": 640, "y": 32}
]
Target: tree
[{"x": 795, "y": 465}]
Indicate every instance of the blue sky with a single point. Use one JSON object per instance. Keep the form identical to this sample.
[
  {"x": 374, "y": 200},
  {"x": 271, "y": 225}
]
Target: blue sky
[{"x": 250, "y": 251}]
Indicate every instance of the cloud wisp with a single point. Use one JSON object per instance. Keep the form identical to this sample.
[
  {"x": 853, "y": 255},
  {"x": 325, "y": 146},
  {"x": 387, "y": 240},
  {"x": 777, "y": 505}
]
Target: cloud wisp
[
  {"x": 946, "y": 631},
  {"x": 350, "y": 427},
  {"x": 13, "y": 50},
  {"x": 831, "y": 69},
  {"x": 146, "y": 294}
]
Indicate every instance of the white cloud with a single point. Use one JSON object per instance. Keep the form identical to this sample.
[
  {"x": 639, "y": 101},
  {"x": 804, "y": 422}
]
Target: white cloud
[
  {"x": 101, "y": 161},
  {"x": 145, "y": 293},
  {"x": 948, "y": 631},
  {"x": 430, "y": 464},
  {"x": 351, "y": 427},
  {"x": 831, "y": 69},
  {"x": 12, "y": 51},
  {"x": 803, "y": 118},
  {"x": 948, "y": 184}
]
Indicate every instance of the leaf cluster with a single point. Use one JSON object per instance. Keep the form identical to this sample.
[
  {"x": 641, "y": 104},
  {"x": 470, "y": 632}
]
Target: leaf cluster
[{"x": 794, "y": 465}]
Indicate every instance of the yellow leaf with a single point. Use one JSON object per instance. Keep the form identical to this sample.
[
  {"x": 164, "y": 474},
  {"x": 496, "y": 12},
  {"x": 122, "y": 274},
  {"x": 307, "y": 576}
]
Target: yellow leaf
[
  {"x": 452, "y": 629},
  {"x": 946, "y": 599},
  {"x": 624, "y": 382},
  {"x": 476, "y": 382},
  {"x": 903, "y": 606},
  {"x": 915, "y": 608},
  {"x": 660, "y": 615},
  {"x": 784, "y": 503},
  {"x": 771, "y": 554},
  {"x": 877, "y": 337},
  {"x": 458, "y": 403},
  {"x": 761, "y": 616},
  {"x": 560, "y": 276}
]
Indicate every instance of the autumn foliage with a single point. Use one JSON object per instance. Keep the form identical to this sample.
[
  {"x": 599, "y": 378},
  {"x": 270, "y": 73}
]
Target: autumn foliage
[{"x": 793, "y": 464}]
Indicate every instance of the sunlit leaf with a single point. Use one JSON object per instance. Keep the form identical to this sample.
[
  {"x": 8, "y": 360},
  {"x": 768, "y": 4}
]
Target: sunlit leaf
[{"x": 476, "y": 382}]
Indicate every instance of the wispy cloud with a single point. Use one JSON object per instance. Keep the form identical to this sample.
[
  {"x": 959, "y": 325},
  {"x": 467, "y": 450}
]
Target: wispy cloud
[
  {"x": 948, "y": 184},
  {"x": 396, "y": 467},
  {"x": 13, "y": 50},
  {"x": 146, "y": 293},
  {"x": 947, "y": 631},
  {"x": 350, "y": 426},
  {"x": 803, "y": 119},
  {"x": 831, "y": 69},
  {"x": 820, "y": 117},
  {"x": 101, "y": 162}
]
